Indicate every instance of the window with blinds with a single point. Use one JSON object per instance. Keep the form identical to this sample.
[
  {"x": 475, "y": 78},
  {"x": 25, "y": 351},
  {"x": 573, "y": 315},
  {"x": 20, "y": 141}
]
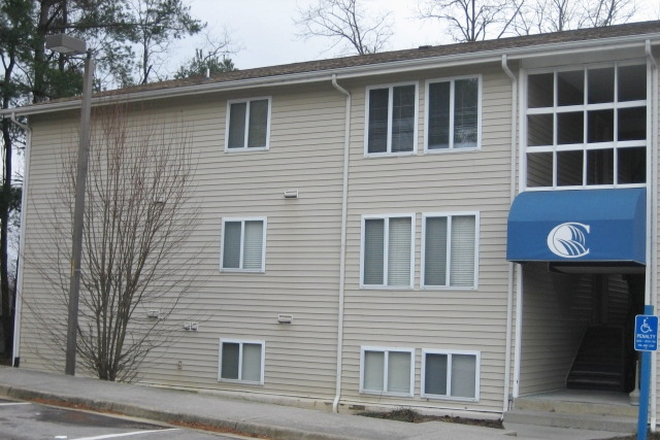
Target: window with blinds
[
  {"x": 387, "y": 371},
  {"x": 241, "y": 361},
  {"x": 391, "y": 116},
  {"x": 387, "y": 251},
  {"x": 243, "y": 244},
  {"x": 453, "y": 116},
  {"x": 450, "y": 375},
  {"x": 248, "y": 124},
  {"x": 449, "y": 250}
]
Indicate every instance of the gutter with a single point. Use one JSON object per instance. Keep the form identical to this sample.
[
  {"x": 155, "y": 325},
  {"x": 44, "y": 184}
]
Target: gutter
[
  {"x": 18, "y": 301},
  {"x": 365, "y": 70},
  {"x": 651, "y": 296},
  {"x": 342, "y": 248},
  {"x": 507, "y": 397}
]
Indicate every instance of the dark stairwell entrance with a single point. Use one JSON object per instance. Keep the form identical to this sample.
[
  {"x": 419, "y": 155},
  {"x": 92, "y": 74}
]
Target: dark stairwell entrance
[{"x": 606, "y": 359}]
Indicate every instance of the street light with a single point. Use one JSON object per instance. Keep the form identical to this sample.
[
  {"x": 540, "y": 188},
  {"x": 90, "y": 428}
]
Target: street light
[{"x": 66, "y": 44}]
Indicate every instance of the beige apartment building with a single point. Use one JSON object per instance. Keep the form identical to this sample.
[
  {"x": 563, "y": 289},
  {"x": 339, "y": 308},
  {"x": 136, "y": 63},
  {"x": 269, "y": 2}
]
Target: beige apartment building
[{"x": 449, "y": 228}]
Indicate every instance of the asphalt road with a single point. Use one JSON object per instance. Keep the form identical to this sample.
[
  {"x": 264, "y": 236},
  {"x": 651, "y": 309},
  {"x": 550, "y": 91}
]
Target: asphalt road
[{"x": 31, "y": 421}]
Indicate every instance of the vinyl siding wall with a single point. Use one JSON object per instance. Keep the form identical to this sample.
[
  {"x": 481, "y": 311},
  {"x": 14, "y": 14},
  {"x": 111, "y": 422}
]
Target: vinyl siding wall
[
  {"x": 557, "y": 310},
  {"x": 457, "y": 181},
  {"x": 303, "y": 242},
  {"x": 302, "y": 251},
  {"x": 43, "y": 309}
]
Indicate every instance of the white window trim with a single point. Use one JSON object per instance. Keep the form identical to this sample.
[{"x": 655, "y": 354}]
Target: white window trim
[
  {"x": 449, "y": 353},
  {"x": 387, "y": 217},
  {"x": 526, "y": 110},
  {"x": 386, "y": 350},
  {"x": 247, "y": 116},
  {"x": 391, "y": 87},
  {"x": 451, "y": 148},
  {"x": 240, "y": 361},
  {"x": 477, "y": 223},
  {"x": 264, "y": 220}
]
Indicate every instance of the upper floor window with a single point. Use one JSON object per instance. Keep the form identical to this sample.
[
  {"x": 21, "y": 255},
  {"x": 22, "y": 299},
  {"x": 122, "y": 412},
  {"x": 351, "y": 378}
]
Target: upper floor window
[
  {"x": 453, "y": 117},
  {"x": 449, "y": 252},
  {"x": 243, "y": 244},
  {"x": 387, "y": 251},
  {"x": 391, "y": 119},
  {"x": 248, "y": 124},
  {"x": 587, "y": 127}
]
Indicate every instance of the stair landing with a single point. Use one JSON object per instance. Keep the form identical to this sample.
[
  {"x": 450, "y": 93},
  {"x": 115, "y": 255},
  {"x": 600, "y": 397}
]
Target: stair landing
[{"x": 578, "y": 409}]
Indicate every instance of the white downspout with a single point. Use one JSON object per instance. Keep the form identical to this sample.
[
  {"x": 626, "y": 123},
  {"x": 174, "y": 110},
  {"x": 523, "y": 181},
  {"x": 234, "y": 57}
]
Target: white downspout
[
  {"x": 519, "y": 273},
  {"x": 511, "y": 269},
  {"x": 342, "y": 250},
  {"x": 651, "y": 216},
  {"x": 16, "y": 353}
]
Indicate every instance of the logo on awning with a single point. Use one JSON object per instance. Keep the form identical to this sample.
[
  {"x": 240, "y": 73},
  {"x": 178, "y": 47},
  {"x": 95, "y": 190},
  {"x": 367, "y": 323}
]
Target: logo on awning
[{"x": 569, "y": 240}]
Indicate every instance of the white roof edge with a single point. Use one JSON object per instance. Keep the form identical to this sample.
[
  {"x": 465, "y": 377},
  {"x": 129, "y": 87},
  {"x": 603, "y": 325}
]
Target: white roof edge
[{"x": 342, "y": 73}]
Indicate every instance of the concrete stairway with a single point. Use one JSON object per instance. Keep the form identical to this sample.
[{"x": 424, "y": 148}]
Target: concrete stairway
[
  {"x": 601, "y": 362},
  {"x": 578, "y": 409}
]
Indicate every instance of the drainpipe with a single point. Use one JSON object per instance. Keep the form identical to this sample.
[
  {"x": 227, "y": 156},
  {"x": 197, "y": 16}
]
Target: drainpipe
[
  {"x": 16, "y": 354},
  {"x": 342, "y": 250},
  {"x": 519, "y": 273},
  {"x": 651, "y": 214},
  {"x": 511, "y": 268}
]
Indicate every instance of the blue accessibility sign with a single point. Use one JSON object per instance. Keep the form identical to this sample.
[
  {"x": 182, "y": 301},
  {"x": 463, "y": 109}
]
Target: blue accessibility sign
[{"x": 646, "y": 333}]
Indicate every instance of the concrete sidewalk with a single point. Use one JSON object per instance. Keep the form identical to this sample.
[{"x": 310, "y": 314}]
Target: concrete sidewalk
[{"x": 249, "y": 418}]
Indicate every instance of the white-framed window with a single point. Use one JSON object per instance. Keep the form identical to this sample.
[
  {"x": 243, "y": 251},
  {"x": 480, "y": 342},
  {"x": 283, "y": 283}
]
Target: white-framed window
[
  {"x": 248, "y": 124},
  {"x": 241, "y": 361},
  {"x": 391, "y": 119},
  {"x": 387, "y": 250},
  {"x": 450, "y": 374},
  {"x": 586, "y": 126},
  {"x": 453, "y": 117},
  {"x": 449, "y": 250},
  {"x": 243, "y": 245},
  {"x": 387, "y": 371}
]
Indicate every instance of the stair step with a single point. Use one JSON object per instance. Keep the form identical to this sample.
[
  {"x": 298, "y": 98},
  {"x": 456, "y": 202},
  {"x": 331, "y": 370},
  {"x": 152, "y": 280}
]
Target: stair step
[
  {"x": 626, "y": 425},
  {"x": 601, "y": 360}
]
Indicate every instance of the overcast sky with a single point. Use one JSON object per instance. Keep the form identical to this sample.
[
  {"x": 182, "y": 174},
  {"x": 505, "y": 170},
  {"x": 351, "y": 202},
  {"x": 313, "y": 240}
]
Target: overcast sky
[{"x": 264, "y": 32}]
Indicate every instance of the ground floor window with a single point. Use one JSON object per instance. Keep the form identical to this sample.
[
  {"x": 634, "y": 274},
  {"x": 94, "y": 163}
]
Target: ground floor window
[
  {"x": 453, "y": 375},
  {"x": 387, "y": 371},
  {"x": 242, "y": 361}
]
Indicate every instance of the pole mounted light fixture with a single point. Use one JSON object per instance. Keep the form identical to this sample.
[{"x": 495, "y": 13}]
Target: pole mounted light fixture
[
  {"x": 68, "y": 45},
  {"x": 65, "y": 44}
]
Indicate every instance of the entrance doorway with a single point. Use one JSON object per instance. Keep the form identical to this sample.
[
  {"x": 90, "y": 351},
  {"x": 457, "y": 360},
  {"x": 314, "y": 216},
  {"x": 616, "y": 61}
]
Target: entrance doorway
[{"x": 577, "y": 329}]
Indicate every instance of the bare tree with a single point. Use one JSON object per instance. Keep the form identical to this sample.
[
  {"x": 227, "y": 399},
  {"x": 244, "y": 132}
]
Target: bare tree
[
  {"x": 608, "y": 12},
  {"x": 138, "y": 218},
  {"x": 345, "y": 22},
  {"x": 472, "y": 20},
  {"x": 538, "y": 16}
]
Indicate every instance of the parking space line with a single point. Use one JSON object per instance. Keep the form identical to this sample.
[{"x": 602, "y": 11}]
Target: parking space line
[
  {"x": 126, "y": 434},
  {"x": 15, "y": 403}
]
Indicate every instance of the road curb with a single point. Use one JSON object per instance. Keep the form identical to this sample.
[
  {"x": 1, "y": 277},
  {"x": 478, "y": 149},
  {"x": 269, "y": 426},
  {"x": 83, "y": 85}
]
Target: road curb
[{"x": 240, "y": 427}]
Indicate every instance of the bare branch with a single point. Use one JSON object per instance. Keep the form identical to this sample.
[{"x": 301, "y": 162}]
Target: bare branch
[
  {"x": 344, "y": 22},
  {"x": 138, "y": 219},
  {"x": 472, "y": 20}
]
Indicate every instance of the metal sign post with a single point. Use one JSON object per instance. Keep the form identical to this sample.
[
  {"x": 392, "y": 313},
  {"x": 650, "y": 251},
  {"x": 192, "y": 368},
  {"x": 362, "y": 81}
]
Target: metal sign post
[{"x": 646, "y": 341}]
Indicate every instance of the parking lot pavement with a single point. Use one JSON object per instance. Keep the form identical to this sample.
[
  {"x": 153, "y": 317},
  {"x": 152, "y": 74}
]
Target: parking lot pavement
[{"x": 32, "y": 421}]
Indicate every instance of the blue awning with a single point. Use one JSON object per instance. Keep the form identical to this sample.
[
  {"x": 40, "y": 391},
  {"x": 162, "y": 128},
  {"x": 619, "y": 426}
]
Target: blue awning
[{"x": 606, "y": 225}]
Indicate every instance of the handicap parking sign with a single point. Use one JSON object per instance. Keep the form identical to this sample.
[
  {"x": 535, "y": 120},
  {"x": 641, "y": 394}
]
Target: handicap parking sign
[{"x": 646, "y": 333}]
